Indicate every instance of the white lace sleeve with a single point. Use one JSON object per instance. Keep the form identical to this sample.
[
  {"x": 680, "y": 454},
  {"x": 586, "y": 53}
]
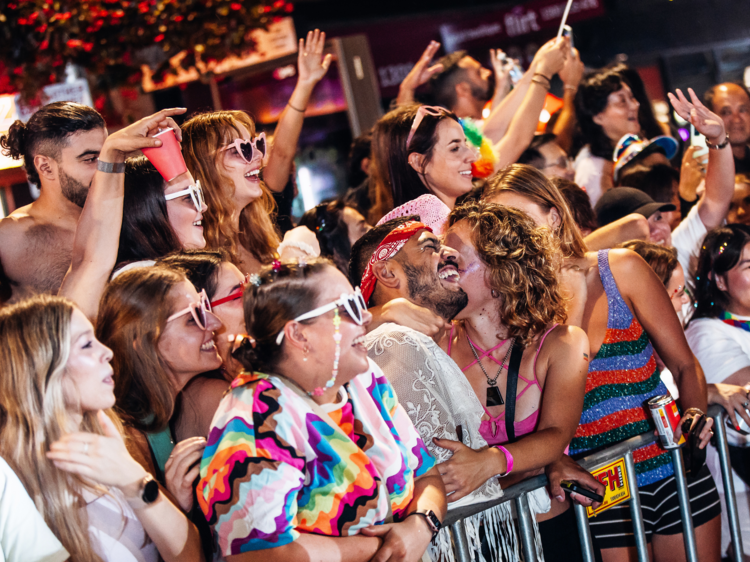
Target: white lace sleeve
[{"x": 415, "y": 375}]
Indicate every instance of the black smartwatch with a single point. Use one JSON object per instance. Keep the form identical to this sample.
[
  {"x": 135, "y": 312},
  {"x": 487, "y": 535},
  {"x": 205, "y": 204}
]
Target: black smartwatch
[
  {"x": 432, "y": 520},
  {"x": 147, "y": 494}
]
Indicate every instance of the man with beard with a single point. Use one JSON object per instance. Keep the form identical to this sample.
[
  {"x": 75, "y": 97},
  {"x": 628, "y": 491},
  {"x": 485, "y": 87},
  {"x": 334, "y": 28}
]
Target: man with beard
[
  {"x": 60, "y": 147},
  {"x": 461, "y": 84},
  {"x": 402, "y": 258}
]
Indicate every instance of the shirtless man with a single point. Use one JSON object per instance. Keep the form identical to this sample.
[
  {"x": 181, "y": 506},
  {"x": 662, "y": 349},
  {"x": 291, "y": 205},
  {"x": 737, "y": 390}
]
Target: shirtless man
[{"x": 60, "y": 146}]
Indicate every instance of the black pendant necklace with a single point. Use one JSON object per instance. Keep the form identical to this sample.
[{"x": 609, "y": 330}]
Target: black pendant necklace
[{"x": 494, "y": 398}]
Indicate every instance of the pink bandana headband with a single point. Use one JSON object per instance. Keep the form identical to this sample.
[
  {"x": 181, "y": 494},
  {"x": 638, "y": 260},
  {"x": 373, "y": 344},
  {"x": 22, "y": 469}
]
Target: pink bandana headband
[
  {"x": 430, "y": 210},
  {"x": 389, "y": 247}
]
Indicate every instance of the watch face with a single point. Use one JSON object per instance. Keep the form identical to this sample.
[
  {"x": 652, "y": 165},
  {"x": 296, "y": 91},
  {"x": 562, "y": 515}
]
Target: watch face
[
  {"x": 150, "y": 491},
  {"x": 434, "y": 519}
]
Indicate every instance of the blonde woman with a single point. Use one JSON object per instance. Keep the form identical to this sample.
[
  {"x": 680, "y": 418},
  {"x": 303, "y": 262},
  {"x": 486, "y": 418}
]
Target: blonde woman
[
  {"x": 224, "y": 152},
  {"x": 59, "y": 436}
]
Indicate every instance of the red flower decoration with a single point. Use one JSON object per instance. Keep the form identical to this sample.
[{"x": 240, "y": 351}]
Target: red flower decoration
[{"x": 41, "y": 36}]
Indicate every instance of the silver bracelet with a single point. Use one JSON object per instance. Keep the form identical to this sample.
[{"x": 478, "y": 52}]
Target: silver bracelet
[
  {"x": 303, "y": 246},
  {"x": 718, "y": 146},
  {"x": 110, "y": 167}
]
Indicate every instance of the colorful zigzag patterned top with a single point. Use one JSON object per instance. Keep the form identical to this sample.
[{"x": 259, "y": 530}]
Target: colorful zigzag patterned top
[
  {"x": 273, "y": 468},
  {"x": 622, "y": 377}
]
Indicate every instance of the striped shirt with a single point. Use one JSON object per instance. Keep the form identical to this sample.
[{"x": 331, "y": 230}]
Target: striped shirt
[{"x": 622, "y": 377}]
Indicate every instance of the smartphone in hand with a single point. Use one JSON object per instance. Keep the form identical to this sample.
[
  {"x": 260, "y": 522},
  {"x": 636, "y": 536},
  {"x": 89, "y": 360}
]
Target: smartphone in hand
[
  {"x": 571, "y": 487},
  {"x": 568, "y": 32}
]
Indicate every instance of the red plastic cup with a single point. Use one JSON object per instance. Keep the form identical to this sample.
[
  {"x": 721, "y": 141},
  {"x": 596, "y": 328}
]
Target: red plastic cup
[{"x": 167, "y": 158}]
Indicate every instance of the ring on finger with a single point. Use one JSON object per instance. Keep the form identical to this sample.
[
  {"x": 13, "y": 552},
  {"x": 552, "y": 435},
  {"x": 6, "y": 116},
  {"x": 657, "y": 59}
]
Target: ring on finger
[
  {"x": 745, "y": 404},
  {"x": 86, "y": 448}
]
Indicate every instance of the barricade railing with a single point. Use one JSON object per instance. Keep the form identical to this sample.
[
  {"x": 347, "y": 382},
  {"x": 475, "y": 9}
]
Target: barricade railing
[{"x": 518, "y": 494}]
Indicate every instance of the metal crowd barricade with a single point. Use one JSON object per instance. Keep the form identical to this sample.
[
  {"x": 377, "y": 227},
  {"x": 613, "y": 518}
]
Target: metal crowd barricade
[{"x": 518, "y": 494}]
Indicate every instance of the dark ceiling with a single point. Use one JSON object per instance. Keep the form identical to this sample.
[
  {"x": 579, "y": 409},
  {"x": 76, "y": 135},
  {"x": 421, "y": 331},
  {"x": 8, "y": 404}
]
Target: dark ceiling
[{"x": 334, "y": 13}]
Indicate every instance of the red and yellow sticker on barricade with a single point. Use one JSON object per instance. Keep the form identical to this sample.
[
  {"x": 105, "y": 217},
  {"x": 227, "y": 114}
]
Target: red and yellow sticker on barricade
[{"x": 616, "y": 485}]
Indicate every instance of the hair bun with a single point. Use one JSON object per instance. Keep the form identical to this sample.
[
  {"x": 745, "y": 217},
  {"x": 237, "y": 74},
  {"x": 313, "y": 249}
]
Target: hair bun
[
  {"x": 14, "y": 143},
  {"x": 244, "y": 352}
]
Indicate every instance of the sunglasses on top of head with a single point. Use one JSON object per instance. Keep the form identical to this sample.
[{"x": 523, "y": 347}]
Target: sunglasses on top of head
[
  {"x": 199, "y": 310},
  {"x": 247, "y": 149},
  {"x": 354, "y": 304},
  {"x": 195, "y": 192}
]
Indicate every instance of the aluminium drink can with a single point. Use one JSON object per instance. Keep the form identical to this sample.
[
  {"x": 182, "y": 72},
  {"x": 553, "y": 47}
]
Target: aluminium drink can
[{"x": 667, "y": 418}]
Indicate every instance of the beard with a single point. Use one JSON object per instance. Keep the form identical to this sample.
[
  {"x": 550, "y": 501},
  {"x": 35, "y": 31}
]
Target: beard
[
  {"x": 484, "y": 93},
  {"x": 425, "y": 289},
  {"x": 72, "y": 189}
]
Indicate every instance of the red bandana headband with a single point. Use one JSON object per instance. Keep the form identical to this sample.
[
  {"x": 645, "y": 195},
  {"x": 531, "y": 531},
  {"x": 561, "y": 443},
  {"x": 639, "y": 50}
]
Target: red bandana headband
[{"x": 388, "y": 248}]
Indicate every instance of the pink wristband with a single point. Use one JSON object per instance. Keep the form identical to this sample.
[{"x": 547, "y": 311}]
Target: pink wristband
[{"x": 508, "y": 460}]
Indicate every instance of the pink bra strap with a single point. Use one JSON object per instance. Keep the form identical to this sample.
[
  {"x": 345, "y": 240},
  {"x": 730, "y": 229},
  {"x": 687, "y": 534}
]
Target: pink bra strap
[
  {"x": 482, "y": 354},
  {"x": 541, "y": 343}
]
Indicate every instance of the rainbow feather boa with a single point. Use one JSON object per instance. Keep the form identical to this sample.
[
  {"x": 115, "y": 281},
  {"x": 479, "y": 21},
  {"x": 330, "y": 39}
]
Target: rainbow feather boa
[{"x": 485, "y": 165}]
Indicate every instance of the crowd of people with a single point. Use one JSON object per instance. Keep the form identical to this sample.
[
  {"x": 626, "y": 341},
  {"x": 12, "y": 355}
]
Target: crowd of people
[{"x": 179, "y": 381}]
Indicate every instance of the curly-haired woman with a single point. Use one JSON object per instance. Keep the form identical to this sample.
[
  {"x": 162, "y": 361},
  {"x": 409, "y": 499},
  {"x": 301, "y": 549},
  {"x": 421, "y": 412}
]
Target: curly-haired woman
[
  {"x": 515, "y": 317},
  {"x": 623, "y": 308}
]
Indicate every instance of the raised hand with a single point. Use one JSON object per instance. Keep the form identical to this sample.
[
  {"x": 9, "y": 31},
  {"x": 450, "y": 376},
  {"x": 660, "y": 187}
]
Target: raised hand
[
  {"x": 311, "y": 63},
  {"x": 692, "y": 172},
  {"x": 705, "y": 121},
  {"x": 552, "y": 57},
  {"x": 572, "y": 71},
  {"x": 101, "y": 458},
  {"x": 419, "y": 74},
  {"x": 501, "y": 67},
  {"x": 140, "y": 134},
  {"x": 182, "y": 468}
]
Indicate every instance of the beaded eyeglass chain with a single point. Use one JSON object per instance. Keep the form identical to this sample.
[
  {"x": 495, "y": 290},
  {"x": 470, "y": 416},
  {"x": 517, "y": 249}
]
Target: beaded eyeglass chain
[{"x": 337, "y": 354}]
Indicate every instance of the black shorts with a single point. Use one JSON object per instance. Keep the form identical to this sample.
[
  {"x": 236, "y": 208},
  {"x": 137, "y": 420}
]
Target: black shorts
[{"x": 661, "y": 511}]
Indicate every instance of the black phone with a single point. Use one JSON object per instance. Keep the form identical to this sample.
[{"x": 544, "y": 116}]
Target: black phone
[
  {"x": 571, "y": 487},
  {"x": 693, "y": 457}
]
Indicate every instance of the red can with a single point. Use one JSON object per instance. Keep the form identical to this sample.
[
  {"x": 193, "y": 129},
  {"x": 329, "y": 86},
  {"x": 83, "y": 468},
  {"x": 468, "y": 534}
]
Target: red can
[{"x": 666, "y": 417}]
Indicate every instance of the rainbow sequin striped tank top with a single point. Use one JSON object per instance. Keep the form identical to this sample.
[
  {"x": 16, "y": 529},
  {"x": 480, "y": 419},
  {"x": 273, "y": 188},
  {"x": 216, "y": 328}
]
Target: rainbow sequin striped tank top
[{"x": 622, "y": 377}]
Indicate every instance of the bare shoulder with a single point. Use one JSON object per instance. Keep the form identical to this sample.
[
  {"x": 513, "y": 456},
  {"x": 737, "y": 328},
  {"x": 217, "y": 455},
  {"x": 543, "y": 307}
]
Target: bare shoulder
[
  {"x": 565, "y": 339},
  {"x": 35, "y": 252},
  {"x": 23, "y": 229},
  {"x": 14, "y": 227},
  {"x": 628, "y": 268}
]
